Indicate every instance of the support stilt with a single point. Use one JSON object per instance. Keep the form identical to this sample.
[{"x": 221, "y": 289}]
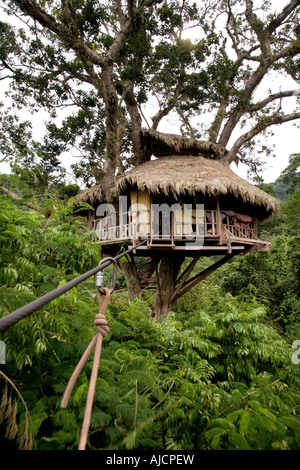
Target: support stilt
[{"x": 187, "y": 285}]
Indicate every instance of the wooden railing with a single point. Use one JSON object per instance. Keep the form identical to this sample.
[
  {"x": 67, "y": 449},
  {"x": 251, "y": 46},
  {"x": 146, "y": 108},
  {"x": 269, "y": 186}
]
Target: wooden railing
[
  {"x": 240, "y": 231},
  {"x": 212, "y": 223},
  {"x": 197, "y": 223},
  {"x": 203, "y": 224},
  {"x": 107, "y": 230}
]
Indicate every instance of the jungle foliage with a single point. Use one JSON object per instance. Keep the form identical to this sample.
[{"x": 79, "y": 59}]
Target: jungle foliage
[{"x": 219, "y": 372}]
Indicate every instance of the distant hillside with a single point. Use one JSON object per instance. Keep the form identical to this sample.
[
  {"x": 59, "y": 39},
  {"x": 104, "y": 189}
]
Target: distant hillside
[
  {"x": 287, "y": 182},
  {"x": 280, "y": 189}
]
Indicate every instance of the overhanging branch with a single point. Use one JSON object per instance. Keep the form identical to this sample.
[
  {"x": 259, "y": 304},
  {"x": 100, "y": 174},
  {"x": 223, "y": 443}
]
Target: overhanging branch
[
  {"x": 275, "y": 96},
  {"x": 18, "y": 198},
  {"x": 274, "y": 24},
  {"x": 32, "y": 9},
  {"x": 260, "y": 127}
]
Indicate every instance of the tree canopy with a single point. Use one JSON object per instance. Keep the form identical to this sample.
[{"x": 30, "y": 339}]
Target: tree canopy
[{"x": 100, "y": 68}]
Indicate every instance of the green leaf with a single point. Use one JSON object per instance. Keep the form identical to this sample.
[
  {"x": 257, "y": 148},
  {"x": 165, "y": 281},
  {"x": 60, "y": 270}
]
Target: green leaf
[
  {"x": 99, "y": 419},
  {"x": 214, "y": 435},
  {"x": 244, "y": 422},
  {"x": 36, "y": 421},
  {"x": 239, "y": 442},
  {"x": 79, "y": 392}
]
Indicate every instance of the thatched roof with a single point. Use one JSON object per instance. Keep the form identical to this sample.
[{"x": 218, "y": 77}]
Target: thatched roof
[
  {"x": 90, "y": 195},
  {"x": 179, "y": 175},
  {"x": 160, "y": 145},
  {"x": 189, "y": 175}
]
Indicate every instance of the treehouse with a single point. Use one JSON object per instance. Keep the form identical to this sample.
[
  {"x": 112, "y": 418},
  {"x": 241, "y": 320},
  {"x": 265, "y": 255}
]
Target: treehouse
[{"x": 185, "y": 199}]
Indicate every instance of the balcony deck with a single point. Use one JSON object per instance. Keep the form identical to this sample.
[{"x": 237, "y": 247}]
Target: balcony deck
[{"x": 211, "y": 231}]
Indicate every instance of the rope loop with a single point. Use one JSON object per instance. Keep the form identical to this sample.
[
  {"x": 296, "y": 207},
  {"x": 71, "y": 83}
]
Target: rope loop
[
  {"x": 101, "y": 322},
  {"x": 102, "y": 330}
]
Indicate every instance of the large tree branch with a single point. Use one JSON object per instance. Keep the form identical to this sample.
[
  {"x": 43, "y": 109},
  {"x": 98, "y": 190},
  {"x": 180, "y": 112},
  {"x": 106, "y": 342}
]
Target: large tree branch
[
  {"x": 217, "y": 123},
  {"x": 266, "y": 60},
  {"x": 67, "y": 31},
  {"x": 260, "y": 127},
  {"x": 254, "y": 22},
  {"x": 239, "y": 110},
  {"x": 126, "y": 25},
  {"x": 118, "y": 43},
  {"x": 231, "y": 24},
  {"x": 6, "y": 65},
  {"x": 67, "y": 35},
  {"x": 289, "y": 51},
  {"x": 149, "y": 3},
  {"x": 136, "y": 123},
  {"x": 250, "y": 87},
  {"x": 275, "y": 96},
  {"x": 120, "y": 14},
  {"x": 71, "y": 38},
  {"x": 263, "y": 35},
  {"x": 165, "y": 111},
  {"x": 274, "y": 24}
]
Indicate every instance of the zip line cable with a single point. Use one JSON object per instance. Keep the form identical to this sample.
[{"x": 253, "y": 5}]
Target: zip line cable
[
  {"x": 96, "y": 343},
  {"x": 14, "y": 317}
]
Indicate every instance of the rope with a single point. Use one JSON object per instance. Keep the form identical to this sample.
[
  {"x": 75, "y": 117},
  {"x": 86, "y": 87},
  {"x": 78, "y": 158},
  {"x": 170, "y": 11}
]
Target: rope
[
  {"x": 102, "y": 330},
  {"x": 14, "y": 317},
  {"x": 96, "y": 343}
]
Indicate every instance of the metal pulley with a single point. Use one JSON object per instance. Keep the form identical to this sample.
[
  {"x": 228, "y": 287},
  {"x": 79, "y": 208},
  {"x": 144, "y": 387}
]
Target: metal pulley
[
  {"x": 99, "y": 278},
  {"x": 100, "y": 275}
]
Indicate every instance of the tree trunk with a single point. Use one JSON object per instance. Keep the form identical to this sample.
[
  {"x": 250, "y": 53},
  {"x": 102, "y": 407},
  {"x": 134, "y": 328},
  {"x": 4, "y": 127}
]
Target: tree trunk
[
  {"x": 115, "y": 128},
  {"x": 136, "y": 125},
  {"x": 168, "y": 271},
  {"x": 129, "y": 271}
]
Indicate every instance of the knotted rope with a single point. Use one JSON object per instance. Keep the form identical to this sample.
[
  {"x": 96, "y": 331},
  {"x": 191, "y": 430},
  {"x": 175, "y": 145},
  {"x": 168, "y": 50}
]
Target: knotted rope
[{"x": 102, "y": 330}]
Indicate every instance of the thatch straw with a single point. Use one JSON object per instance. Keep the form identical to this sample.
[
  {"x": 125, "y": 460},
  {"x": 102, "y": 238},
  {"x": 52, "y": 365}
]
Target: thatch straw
[
  {"x": 90, "y": 195},
  {"x": 186, "y": 166},
  {"x": 160, "y": 144},
  {"x": 179, "y": 175}
]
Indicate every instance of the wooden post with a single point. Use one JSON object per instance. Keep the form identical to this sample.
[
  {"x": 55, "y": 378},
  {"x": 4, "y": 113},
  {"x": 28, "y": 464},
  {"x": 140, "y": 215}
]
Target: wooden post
[
  {"x": 255, "y": 226},
  {"x": 150, "y": 217},
  {"x": 90, "y": 223},
  {"x": 185, "y": 275},
  {"x": 219, "y": 223},
  {"x": 229, "y": 244},
  {"x": 219, "y": 219},
  {"x": 172, "y": 222}
]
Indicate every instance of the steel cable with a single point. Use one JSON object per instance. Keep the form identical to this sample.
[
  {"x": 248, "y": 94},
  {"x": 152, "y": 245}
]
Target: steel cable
[{"x": 23, "y": 312}]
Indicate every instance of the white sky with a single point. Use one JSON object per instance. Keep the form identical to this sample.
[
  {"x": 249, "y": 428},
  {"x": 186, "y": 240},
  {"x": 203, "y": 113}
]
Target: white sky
[
  {"x": 287, "y": 136},
  {"x": 285, "y": 140}
]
